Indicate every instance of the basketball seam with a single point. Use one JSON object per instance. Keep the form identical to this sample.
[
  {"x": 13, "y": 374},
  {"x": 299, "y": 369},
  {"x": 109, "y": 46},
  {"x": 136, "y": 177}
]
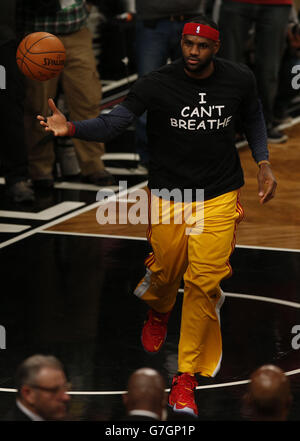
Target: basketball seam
[
  {"x": 43, "y": 38},
  {"x": 32, "y": 74},
  {"x": 32, "y": 53},
  {"x": 39, "y": 53},
  {"x": 36, "y": 64}
]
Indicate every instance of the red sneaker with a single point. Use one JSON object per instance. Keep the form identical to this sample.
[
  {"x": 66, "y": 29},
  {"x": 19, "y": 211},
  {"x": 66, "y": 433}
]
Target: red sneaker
[
  {"x": 155, "y": 330},
  {"x": 181, "y": 396}
]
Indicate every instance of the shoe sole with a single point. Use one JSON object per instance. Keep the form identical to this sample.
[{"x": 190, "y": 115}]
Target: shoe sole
[{"x": 188, "y": 410}]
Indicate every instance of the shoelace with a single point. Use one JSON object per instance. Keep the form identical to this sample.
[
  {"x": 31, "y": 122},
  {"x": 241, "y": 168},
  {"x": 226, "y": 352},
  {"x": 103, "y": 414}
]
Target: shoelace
[{"x": 188, "y": 383}]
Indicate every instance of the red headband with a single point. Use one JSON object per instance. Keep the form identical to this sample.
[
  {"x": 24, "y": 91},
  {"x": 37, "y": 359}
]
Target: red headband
[{"x": 201, "y": 30}]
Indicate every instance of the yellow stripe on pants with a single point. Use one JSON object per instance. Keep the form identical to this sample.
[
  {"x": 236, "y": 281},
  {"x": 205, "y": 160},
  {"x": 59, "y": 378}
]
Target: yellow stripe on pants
[{"x": 202, "y": 259}]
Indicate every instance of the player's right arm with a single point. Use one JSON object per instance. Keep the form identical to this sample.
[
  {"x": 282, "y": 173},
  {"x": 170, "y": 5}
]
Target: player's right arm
[{"x": 102, "y": 128}]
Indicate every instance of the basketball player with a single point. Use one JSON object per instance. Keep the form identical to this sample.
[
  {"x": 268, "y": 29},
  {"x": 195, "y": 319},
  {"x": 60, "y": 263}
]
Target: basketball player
[{"x": 192, "y": 104}]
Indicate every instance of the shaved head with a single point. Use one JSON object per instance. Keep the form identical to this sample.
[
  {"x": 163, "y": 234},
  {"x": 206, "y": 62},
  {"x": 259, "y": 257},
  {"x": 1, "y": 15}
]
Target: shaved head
[
  {"x": 146, "y": 391},
  {"x": 269, "y": 396}
]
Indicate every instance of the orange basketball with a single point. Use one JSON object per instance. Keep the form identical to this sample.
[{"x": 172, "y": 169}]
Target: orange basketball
[{"x": 41, "y": 56}]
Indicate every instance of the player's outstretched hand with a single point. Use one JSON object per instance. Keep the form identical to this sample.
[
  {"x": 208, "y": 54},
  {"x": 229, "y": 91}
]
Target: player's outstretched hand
[
  {"x": 266, "y": 184},
  {"x": 57, "y": 123}
]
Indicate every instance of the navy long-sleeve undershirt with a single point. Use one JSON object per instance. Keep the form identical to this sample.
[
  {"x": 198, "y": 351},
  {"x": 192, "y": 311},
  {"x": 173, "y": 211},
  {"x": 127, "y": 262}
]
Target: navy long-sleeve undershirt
[
  {"x": 256, "y": 134},
  {"x": 105, "y": 127}
]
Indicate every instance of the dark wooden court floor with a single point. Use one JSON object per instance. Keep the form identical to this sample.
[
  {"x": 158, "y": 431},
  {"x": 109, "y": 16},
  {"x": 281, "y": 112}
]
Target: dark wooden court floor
[{"x": 68, "y": 291}]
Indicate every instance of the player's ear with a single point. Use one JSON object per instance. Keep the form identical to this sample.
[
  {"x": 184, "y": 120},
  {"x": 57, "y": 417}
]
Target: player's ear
[
  {"x": 217, "y": 46},
  {"x": 181, "y": 42}
]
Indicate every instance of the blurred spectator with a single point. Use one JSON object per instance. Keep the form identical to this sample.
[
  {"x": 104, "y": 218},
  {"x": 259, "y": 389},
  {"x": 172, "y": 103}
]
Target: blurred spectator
[
  {"x": 269, "y": 396},
  {"x": 286, "y": 89},
  {"x": 117, "y": 30},
  {"x": 41, "y": 390},
  {"x": 159, "y": 26},
  {"x": 270, "y": 18},
  {"x": 146, "y": 399},
  {"x": 80, "y": 84},
  {"x": 13, "y": 152}
]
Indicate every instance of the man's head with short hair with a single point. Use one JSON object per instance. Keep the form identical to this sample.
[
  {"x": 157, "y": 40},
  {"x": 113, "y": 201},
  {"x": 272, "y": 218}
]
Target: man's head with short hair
[
  {"x": 203, "y": 19},
  {"x": 146, "y": 391},
  {"x": 199, "y": 47},
  {"x": 269, "y": 396},
  {"x": 42, "y": 386}
]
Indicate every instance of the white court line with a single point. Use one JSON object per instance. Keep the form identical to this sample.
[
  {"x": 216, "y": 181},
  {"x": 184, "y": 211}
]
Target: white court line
[
  {"x": 291, "y": 250},
  {"x": 259, "y": 298},
  {"x": 264, "y": 299},
  {"x": 47, "y": 214},
  {"x": 13, "y": 228},
  {"x": 129, "y": 201},
  {"x": 103, "y": 236},
  {"x": 121, "y": 392},
  {"x": 71, "y": 215},
  {"x": 208, "y": 386},
  {"x": 65, "y": 185}
]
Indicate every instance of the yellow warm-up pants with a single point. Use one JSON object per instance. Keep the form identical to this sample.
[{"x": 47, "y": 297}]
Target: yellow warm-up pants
[{"x": 196, "y": 249}]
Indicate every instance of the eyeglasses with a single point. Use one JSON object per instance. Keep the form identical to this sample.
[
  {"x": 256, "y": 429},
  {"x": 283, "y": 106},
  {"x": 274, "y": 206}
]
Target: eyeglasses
[{"x": 53, "y": 390}]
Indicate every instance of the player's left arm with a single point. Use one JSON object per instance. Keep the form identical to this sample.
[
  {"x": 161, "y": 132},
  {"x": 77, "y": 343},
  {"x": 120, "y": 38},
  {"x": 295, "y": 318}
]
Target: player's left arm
[
  {"x": 266, "y": 182},
  {"x": 256, "y": 134}
]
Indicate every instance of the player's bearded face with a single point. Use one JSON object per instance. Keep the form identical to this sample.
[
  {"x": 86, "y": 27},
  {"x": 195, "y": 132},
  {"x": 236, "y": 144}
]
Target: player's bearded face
[
  {"x": 197, "y": 53},
  {"x": 196, "y": 65}
]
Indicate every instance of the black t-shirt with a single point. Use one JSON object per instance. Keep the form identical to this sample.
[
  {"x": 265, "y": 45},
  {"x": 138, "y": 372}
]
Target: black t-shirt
[{"x": 191, "y": 125}]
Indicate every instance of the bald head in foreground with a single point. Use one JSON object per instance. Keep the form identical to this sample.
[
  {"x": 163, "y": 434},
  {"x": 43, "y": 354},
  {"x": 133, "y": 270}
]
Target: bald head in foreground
[
  {"x": 146, "y": 397},
  {"x": 269, "y": 396}
]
